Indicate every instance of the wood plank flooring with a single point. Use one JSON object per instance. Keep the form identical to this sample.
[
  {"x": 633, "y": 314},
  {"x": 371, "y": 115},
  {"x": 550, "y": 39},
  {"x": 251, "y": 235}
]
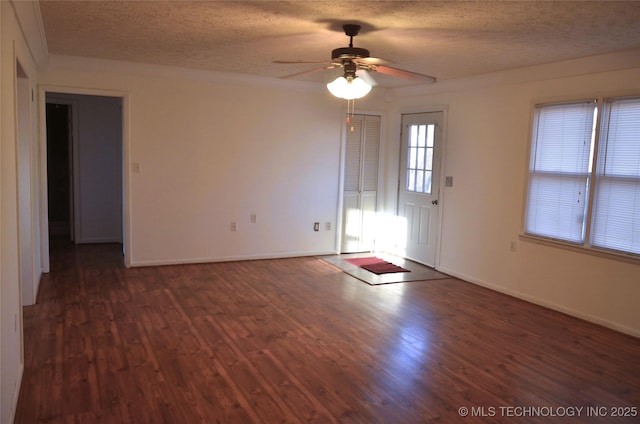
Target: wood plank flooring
[{"x": 297, "y": 340}]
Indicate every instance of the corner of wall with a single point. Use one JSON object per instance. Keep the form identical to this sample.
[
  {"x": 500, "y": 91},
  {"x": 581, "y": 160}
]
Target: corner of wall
[{"x": 542, "y": 302}]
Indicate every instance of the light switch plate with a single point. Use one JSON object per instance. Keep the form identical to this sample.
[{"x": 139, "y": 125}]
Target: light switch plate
[{"x": 448, "y": 181}]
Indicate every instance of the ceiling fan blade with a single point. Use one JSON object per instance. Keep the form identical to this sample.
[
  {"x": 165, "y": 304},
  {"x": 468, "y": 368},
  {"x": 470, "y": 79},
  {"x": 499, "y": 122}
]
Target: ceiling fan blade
[
  {"x": 309, "y": 71},
  {"x": 366, "y": 77},
  {"x": 294, "y": 62},
  {"x": 401, "y": 73},
  {"x": 371, "y": 61}
]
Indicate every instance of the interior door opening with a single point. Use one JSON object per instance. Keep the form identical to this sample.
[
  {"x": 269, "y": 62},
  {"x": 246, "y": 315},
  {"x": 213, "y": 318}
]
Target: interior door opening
[
  {"x": 60, "y": 171},
  {"x": 84, "y": 168}
]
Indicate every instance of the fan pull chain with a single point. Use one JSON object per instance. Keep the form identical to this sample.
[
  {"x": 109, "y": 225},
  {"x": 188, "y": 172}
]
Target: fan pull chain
[{"x": 351, "y": 106}]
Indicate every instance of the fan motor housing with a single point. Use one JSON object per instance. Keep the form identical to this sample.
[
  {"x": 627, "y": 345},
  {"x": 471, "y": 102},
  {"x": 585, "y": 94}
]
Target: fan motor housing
[{"x": 349, "y": 53}]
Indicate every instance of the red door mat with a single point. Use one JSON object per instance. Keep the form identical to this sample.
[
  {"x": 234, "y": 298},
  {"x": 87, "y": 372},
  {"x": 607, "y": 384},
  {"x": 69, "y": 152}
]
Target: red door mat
[{"x": 376, "y": 265}]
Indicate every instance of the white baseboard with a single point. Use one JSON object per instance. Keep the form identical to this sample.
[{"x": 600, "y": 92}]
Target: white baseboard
[
  {"x": 16, "y": 393},
  {"x": 182, "y": 261},
  {"x": 545, "y": 303}
]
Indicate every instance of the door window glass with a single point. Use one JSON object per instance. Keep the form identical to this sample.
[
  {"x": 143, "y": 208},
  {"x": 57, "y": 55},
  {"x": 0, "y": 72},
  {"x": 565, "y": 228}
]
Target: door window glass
[{"x": 420, "y": 158}]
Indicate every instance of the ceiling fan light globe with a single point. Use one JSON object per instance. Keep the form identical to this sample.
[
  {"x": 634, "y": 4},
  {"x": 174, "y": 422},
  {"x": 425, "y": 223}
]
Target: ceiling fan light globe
[
  {"x": 355, "y": 88},
  {"x": 359, "y": 87},
  {"x": 338, "y": 86}
]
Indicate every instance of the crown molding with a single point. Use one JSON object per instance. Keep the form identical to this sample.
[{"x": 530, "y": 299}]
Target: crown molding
[
  {"x": 29, "y": 19},
  {"x": 629, "y": 59},
  {"x": 85, "y": 64}
]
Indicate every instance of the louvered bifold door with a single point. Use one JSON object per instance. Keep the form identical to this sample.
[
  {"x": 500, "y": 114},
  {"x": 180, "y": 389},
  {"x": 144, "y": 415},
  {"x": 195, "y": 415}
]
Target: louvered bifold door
[
  {"x": 360, "y": 183},
  {"x": 369, "y": 179}
]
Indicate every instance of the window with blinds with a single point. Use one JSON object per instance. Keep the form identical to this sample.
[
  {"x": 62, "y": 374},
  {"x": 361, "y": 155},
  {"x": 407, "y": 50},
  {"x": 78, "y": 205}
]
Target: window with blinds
[
  {"x": 582, "y": 190},
  {"x": 616, "y": 210},
  {"x": 559, "y": 171}
]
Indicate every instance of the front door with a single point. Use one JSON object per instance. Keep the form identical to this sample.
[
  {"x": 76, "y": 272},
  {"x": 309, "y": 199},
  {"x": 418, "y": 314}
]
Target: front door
[{"x": 418, "y": 202}]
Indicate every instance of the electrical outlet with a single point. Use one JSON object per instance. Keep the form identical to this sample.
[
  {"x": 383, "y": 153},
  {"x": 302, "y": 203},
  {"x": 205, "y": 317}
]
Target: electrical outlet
[
  {"x": 514, "y": 246},
  {"x": 135, "y": 167},
  {"x": 316, "y": 226},
  {"x": 327, "y": 226},
  {"x": 253, "y": 218},
  {"x": 234, "y": 226}
]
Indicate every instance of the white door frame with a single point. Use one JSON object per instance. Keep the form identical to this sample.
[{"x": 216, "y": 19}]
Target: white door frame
[{"x": 126, "y": 186}]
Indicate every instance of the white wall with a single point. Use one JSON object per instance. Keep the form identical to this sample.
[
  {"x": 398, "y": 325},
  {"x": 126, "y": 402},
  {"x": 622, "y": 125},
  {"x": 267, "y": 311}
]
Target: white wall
[
  {"x": 13, "y": 49},
  {"x": 212, "y": 150},
  {"x": 487, "y": 140}
]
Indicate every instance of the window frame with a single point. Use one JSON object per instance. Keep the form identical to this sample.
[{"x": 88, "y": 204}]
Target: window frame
[{"x": 586, "y": 246}]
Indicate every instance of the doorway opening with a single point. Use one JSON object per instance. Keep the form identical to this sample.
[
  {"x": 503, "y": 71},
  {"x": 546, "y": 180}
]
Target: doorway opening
[
  {"x": 59, "y": 171},
  {"x": 84, "y": 168}
]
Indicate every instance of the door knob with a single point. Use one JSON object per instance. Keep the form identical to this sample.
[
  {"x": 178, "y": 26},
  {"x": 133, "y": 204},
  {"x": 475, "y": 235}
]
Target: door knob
[{"x": 434, "y": 202}]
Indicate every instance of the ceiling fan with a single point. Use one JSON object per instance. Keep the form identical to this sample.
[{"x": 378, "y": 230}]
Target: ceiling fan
[{"x": 357, "y": 61}]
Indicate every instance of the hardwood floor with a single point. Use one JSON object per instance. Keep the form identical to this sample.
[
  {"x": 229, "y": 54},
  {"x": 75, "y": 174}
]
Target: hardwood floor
[{"x": 297, "y": 340}]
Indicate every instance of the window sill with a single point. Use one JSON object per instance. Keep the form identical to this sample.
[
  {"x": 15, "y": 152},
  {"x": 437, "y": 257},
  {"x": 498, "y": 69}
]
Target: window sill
[{"x": 617, "y": 256}]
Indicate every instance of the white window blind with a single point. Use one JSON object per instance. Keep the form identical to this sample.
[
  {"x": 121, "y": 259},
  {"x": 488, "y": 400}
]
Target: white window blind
[
  {"x": 559, "y": 170},
  {"x": 616, "y": 214}
]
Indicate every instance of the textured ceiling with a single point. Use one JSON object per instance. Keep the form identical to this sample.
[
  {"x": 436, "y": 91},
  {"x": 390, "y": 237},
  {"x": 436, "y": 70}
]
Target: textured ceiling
[{"x": 446, "y": 39}]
